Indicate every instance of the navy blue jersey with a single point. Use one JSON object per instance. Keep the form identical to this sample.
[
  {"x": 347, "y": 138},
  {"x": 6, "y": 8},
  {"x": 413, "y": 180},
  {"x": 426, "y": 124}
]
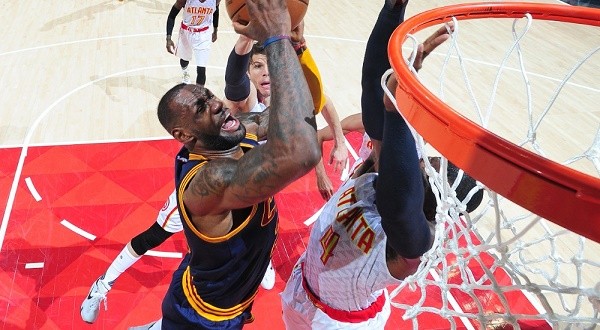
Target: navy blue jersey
[{"x": 224, "y": 273}]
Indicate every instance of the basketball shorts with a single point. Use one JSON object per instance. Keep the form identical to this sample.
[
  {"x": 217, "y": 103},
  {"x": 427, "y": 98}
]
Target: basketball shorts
[
  {"x": 194, "y": 45},
  {"x": 178, "y": 314},
  {"x": 168, "y": 216},
  {"x": 300, "y": 313}
]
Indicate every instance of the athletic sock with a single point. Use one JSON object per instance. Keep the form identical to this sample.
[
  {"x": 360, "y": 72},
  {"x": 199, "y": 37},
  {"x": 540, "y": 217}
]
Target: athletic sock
[{"x": 123, "y": 261}]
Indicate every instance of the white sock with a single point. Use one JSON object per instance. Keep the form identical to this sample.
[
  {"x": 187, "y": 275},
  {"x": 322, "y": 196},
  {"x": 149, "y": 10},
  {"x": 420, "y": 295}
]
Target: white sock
[{"x": 123, "y": 261}]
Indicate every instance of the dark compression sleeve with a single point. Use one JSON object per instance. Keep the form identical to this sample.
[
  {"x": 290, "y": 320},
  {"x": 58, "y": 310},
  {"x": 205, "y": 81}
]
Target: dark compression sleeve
[
  {"x": 375, "y": 64},
  {"x": 149, "y": 239},
  {"x": 171, "y": 20},
  {"x": 237, "y": 83},
  {"x": 216, "y": 18},
  {"x": 400, "y": 191}
]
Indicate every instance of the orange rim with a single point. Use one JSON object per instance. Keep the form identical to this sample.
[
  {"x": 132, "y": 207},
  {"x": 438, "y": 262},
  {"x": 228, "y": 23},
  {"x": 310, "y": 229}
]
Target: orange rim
[{"x": 555, "y": 192}]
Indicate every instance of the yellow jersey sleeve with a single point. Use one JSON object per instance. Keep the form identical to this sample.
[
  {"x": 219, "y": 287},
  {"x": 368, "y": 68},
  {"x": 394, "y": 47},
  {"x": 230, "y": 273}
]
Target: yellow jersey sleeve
[{"x": 313, "y": 77}]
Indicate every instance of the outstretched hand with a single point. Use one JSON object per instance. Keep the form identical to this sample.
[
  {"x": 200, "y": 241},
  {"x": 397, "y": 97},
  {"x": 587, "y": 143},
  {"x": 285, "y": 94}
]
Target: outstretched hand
[
  {"x": 267, "y": 18},
  {"x": 431, "y": 43}
]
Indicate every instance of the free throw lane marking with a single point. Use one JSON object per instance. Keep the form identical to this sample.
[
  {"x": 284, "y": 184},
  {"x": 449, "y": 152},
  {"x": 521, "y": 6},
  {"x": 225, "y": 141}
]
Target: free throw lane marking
[{"x": 78, "y": 230}]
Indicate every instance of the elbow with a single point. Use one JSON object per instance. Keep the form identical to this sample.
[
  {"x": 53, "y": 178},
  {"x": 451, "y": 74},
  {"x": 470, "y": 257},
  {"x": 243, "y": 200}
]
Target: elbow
[
  {"x": 409, "y": 239},
  {"x": 310, "y": 156},
  {"x": 315, "y": 156},
  {"x": 299, "y": 157},
  {"x": 308, "y": 150}
]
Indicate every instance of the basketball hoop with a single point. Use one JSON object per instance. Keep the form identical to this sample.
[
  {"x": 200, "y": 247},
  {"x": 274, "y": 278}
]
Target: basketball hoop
[
  {"x": 487, "y": 259},
  {"x": 569, "y": 194}
]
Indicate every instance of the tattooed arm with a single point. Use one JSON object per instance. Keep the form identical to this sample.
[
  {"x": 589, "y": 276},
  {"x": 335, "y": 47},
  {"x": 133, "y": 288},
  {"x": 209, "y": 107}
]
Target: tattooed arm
[{"x": 291, "y": 149}]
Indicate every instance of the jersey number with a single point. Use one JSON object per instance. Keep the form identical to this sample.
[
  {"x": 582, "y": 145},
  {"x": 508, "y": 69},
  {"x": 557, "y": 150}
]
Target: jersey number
[
  {"x": 328, "y": 242},
  {"x": 197, "y": 20}
]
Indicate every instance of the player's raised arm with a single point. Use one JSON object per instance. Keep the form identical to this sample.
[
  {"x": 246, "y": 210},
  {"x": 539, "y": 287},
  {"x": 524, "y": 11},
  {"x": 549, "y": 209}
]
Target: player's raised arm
[
  {"x": 291, "y": 149},
  {"x": 400, "y": 189}
]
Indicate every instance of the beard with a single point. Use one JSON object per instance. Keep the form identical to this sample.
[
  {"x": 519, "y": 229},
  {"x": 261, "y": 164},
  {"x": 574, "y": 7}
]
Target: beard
[{"x": 220, "y": 142}]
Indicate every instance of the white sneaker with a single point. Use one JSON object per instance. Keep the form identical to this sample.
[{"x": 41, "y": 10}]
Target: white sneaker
[
  {"x": 91, "y": 305},
  {"x": 268, "y": 281},
  {"x": 186, "y": 77}
]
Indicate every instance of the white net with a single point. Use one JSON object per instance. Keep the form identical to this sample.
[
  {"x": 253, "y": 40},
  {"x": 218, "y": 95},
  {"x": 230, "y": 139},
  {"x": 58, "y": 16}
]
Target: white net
[{"x": 502, "y": 266}]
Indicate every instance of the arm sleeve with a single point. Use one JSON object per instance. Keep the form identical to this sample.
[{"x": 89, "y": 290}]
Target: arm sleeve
[
  {"x": 171, "y": 19},
  {"x": 237, "y": 83},
  {"x": 375, "y": 64},
  {"x": 400, "y": 191},
  {"x": 216, "y": 18}
]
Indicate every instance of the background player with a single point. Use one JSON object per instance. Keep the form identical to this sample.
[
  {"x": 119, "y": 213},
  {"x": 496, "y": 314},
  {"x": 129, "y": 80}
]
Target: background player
[
  {"x": 251, "y": 93},
  {"x": 198, "y": 31}
]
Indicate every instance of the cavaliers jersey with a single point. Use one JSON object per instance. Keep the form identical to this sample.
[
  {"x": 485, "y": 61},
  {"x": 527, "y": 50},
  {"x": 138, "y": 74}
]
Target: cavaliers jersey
[
  {"x": 199, "y": 13},
  {"x": 345, "y": 260},
  {"x": 224, "y": 273}
]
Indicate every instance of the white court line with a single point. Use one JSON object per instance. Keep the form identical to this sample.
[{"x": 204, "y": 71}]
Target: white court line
[
  {"x": 34, "y": 265},
  {"x": 351, "y": 149},
  {"x": 32, "y": 189},
  {"x": 71, "y": 42},
  {"x": 346, "y": 171},
  {"x": 78, "y": 230},
  {"x": 84, "y": 142},
  {"x": 314, "y": 217},
  {"x": 60, "y": 44},
  {"x": 175, "y": 255}
]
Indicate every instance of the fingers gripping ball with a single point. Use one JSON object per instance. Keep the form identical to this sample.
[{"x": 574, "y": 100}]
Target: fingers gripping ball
[{"x": 237, "y": 11}]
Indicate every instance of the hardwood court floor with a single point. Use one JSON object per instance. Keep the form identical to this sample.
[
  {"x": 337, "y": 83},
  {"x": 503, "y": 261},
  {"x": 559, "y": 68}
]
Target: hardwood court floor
[{"x": 80, "y": 83}]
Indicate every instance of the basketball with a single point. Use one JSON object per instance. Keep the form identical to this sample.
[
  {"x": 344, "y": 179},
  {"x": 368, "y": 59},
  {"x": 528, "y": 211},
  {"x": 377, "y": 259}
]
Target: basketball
[{"x": 237, "y": 11}]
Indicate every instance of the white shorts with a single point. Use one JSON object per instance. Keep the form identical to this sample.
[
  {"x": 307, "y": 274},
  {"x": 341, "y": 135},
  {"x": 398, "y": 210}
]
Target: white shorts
[
  {"x": 168, "y": 216},
  {"x": 194, "y": 43},
  {"x": 300, "y": 313}
]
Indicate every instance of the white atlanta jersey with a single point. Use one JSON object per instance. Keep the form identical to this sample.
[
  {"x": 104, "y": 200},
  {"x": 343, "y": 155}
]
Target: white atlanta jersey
[
  {"x": 199, "y": 13},
  {"x": 345, "y": 259}
]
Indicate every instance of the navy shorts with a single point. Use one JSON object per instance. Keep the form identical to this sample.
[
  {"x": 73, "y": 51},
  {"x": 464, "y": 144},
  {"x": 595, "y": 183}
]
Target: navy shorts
[{"x": 178, "y": 313}]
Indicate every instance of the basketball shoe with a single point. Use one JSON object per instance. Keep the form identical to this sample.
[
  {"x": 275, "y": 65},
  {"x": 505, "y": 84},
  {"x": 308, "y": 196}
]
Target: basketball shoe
[
  {"x": 268, "y": 281},
  {"x": 186, "y": 77},
  {"x": 91, "y": 305}
]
